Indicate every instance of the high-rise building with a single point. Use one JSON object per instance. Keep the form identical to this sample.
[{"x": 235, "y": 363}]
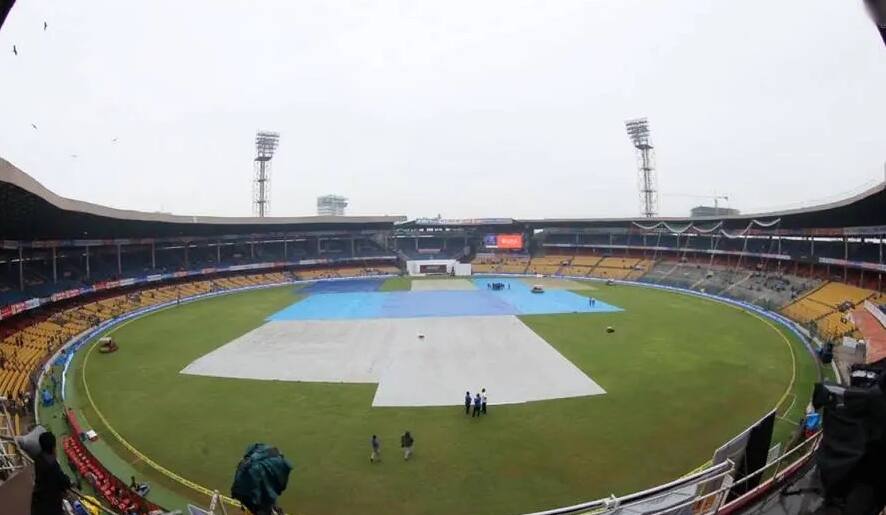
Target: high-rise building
[{"x": 331, "y": 205}]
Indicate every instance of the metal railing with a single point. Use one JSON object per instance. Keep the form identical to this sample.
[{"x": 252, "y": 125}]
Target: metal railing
[
  {"x": 12, "y": 459},
  {"x": 705, "y": 492}
]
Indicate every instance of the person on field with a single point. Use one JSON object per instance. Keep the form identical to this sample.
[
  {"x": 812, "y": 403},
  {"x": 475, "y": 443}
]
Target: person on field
[
  {"x": 483, "y": 401},
  {"x": 406, "y": 442},
  {"x": 50, "y": 483},
  {"x": 467, "y": 403},
  {"x": 141, "y": 489},
  {"x": 477, "y": 406},
  {"x": 376, "y": 449}
]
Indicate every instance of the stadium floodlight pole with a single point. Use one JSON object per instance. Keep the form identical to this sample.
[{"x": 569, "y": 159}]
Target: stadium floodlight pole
[
  {"x": 265, "y": 146},
  {"x": 877, "y": 11},
  {"x": 638, "y": 131}
]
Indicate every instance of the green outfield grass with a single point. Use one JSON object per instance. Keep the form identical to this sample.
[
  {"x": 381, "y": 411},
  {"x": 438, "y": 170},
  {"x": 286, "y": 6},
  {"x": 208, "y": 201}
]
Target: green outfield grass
[{"x": 682, "y": 376}]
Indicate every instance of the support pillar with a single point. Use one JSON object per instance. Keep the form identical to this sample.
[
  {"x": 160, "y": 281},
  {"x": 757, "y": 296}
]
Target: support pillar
[
  {"x": 153, "y": 257},
  {"x": 21, "y": 268},
  {"x": 285, "y": 251},
  {"x": 778, "y": 263},
  {"x": 218, "y": 253},
  {"x": 54, "y": 267},
  {"x": 119, "y": 263},
  {"x": 812, "y": 256},
  {"x": 88, "y": 273},
  {"x": 880, "y": 275}
]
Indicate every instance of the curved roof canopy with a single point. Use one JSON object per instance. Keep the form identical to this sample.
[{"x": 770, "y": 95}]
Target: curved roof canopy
[
  {"x": 866, "y": 209},
  {"x": 29, "y": 211}
]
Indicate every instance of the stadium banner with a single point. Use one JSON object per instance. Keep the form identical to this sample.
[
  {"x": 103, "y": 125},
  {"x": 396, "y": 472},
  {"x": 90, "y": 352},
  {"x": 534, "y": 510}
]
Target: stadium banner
[
  {"x": 832, "y": 233},
  {"x": 874, "y": 267},
  {"x": 62, "y": 295},
  {"x": 875, "y": 230},
  {"x": 14, "y": 309},
  {"x": 464, "y": 221},
  {"x": 781, "y": 257},
  {"x": 510, "y": 241},
  {"x": 420, "y": 267},
  {"x": 503, "y": 241},
  {"x": 593, "y": 230},
  {"x": 253, "y": 266},
  {"x": 154, "y": 277}
]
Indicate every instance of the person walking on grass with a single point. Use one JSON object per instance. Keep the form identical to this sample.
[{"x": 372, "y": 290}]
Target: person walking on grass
[
  {"x": 477, "y": 406},
  {"x": 406, "y": 442},
  {"x": 483, "y": 401},
  {"x": 467, "y": 403},
  {"x": 376, "y": 449}
]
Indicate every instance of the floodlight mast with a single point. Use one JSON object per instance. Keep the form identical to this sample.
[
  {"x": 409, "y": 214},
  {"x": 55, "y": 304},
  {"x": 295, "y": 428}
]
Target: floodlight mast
[
  {"x": 265, "y": 146},
  {"x": 638, "y": 131}
]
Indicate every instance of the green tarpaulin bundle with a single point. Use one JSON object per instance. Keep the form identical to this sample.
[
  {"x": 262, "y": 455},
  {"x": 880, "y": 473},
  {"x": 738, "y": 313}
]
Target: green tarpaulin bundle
[{"x": 261, "y": 477}]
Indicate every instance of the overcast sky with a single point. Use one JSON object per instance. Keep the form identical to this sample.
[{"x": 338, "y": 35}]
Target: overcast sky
[{"x": 462, "y": 108}]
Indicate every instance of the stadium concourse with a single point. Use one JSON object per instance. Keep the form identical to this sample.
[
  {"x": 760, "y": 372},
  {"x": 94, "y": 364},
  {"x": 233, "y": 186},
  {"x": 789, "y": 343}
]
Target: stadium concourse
[{"x": 816, "y": 266}]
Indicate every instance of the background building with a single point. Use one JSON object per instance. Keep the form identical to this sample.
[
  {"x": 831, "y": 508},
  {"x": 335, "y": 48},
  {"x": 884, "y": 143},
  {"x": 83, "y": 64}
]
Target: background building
[
  {"x": 331, "y": 205},
  {"x": 700, "y": 211}
]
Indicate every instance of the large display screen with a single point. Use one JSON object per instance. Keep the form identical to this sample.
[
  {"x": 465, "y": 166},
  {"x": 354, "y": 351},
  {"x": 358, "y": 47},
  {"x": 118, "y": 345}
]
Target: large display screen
[
  {"x": 503, "y": 241},
  {"x": 432, "y": 269}
]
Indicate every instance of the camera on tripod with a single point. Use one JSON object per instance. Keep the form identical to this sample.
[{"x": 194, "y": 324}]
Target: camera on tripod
[{"x": 853, "y": 447}]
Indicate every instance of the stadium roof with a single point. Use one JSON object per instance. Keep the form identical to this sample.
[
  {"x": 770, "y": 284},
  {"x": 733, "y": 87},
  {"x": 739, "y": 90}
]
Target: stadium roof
[
  {"x": 5, "y": 7},
  {"x": 29, "y": 211},
  {"x": 865, "y": 209}
]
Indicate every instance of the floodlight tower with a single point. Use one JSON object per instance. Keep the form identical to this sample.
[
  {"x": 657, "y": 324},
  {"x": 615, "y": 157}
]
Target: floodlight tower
[
  {"x": 265, "y": 145},
  {"x": 638, "y": 131}
]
